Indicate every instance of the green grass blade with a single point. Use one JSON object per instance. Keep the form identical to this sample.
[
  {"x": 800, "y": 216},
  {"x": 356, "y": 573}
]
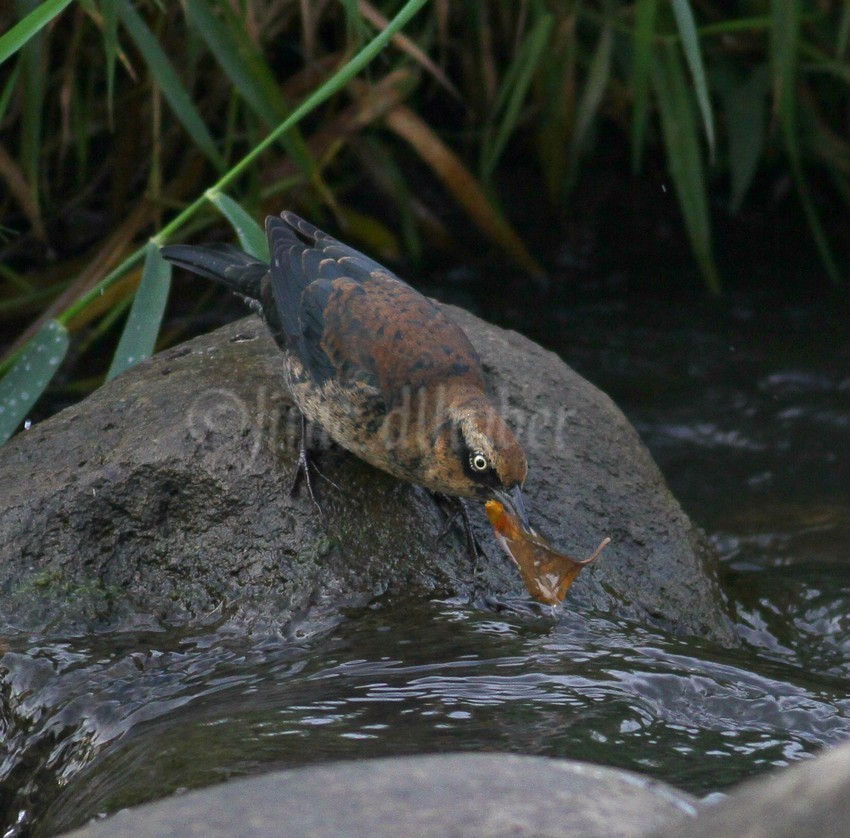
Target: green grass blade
[
  {"x": 784, "y": 40},
  {"x": 784, "y": 44},
  {"x": 337, "y": 81},
  {"x": 110, "y": 45},
  {"x": 843, "y": 36},
  {"x": 515, "y": 88},
  {"x": 792, "y": 148},
  {"x": 29, "y": 377},
  {"x": 29, "y": 26},
  {"x": 247, "y": 71},
  {"x": 140, "y": 332},
  {"x": 32, "y": 118},
  {"x": 690, "y": 43},
  {"x": 645, "y": 13},
  {"x": 594, "y": 88},
  {"x": 642, "y": 44},
  {"x": 10, "y": 87},
  {"x": 681, "y": 140},
  {"x": 821, "y": 240},
  {"x": 746, "y": 117},
  {"x": 820, "y": 63},
  {"x": 252, "y": 237},
  {"x": 356, "y": 26},
  {"x": 169, "y": 83}
]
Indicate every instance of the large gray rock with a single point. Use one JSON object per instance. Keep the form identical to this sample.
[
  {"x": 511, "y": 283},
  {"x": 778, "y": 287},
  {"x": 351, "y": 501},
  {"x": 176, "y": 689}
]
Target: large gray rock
[
  {"x": 164, "y": 496},
  {"x": 808, "y": 799},
  {"x": 488, "y": 795},
  {"x": 495, "y": 795}
]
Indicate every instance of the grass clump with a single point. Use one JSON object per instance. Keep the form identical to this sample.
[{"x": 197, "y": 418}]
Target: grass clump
[{"x": 127, "y": 123}]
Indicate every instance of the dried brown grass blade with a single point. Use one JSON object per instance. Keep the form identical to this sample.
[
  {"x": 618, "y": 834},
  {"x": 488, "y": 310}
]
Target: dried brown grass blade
[
  {"x": 408, "y": 47},
  {"x": 435, "y": 232},
  {"x": 465, "y": 187},
  {"x": 20, "y": 190},
  {"x": 372, "y": 102},
  {"x": 110, "y": 253}
]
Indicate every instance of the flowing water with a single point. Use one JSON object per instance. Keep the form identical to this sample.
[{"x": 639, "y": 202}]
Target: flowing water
[{"x": 746, "y": 407}]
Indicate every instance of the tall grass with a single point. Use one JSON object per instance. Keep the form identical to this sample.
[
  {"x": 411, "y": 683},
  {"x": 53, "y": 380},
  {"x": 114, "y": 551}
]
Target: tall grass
[{"x": 124, "y": 122}]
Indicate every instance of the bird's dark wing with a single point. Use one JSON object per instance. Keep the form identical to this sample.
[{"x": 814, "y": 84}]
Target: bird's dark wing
[
  {"x": 349, "y": 318},
  {"x": 387, "y": 333},
  {"x": 302, "y": 254},
  {"x": 305, "y": 265}
]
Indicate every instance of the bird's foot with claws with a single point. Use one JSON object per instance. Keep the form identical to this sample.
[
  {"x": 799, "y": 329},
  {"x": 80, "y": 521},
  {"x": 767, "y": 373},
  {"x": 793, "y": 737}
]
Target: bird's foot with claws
[
  {"x": 302, "y": 469},
  {"x": 454, "y": 508}
]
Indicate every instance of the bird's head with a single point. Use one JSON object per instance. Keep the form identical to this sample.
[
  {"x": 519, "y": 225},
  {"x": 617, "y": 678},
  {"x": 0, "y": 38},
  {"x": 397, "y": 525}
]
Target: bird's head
[{"x": 478, "y": 455}]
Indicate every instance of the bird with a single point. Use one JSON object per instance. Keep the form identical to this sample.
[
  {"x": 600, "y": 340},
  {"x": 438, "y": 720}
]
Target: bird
[{"x": 388, "y": 375}]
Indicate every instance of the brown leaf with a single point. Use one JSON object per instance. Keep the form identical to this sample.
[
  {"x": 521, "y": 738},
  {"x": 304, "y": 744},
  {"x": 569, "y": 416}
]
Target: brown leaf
[{"x": 547, "y": 574}]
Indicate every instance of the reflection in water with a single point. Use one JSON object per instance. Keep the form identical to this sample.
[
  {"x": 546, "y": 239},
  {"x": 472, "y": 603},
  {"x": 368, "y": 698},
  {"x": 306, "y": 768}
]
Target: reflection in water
[
  {"x": 748, "y": 418},
  {"x": 104, "y": 731}
]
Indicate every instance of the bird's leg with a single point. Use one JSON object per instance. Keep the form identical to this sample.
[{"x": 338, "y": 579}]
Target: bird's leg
[
  {"x": 302, "y": 467},
  {"x": 471, "y": 543},
  {"x": 444, "y": 501},
  {"x": 459, "y": 509}
]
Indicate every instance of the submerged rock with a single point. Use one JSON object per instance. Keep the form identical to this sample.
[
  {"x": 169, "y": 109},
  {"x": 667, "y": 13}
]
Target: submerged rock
[
  {"x": 453, "y": 794},
  {"x": 497, "y": 794},
  {"x": 811, "y": 798},
  {"x": 164, "y": 496}
]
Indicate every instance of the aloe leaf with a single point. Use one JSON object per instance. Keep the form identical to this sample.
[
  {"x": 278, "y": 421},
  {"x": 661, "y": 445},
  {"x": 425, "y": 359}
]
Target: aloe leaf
[
  {"x": 169, "y": 83},
  {"x": 693, "y": 55},
  {"x": 25, "y": 29},
  {"x": 29, "y": 377},
  {"x": 142, "y": 327},
  {"x": 251, "y": 235}
]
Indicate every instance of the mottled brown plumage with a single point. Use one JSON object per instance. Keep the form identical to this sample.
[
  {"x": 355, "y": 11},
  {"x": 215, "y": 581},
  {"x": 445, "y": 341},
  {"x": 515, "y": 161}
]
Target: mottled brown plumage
[{"x": 386, "y": 373}]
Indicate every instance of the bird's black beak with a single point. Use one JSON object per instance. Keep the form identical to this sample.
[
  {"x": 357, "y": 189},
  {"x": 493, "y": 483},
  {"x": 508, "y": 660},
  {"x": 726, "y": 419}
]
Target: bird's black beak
[{"x": 512, "y": 500}]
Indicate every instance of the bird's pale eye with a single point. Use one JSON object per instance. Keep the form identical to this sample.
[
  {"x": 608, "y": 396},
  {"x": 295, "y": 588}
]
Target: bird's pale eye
[{"x": 478, "y": 461}]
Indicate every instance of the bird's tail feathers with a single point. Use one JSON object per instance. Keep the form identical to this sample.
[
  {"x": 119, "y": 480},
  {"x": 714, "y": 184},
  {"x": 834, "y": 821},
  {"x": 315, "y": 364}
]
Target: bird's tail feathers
[{"x": 222, "y": 263}]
